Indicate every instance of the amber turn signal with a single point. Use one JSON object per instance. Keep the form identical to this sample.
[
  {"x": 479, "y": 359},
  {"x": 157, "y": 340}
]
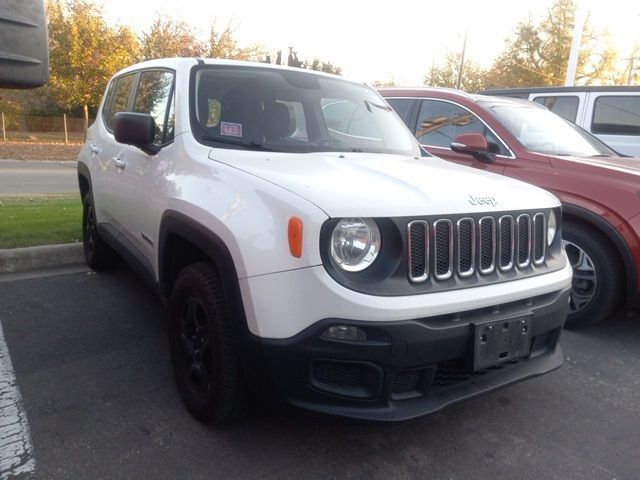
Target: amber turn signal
[{"x": 295, "y": 237}]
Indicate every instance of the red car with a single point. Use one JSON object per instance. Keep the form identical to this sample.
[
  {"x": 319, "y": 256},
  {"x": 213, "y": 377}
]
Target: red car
[{"x": 599, "y": 189}]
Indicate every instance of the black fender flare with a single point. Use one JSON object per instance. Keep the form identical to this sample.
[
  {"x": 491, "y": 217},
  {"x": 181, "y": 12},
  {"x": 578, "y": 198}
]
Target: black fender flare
[
  {"x": 84, "y": 173},
  {"x": 214, "y": 247},
  {"x": 173, "y": 222}
]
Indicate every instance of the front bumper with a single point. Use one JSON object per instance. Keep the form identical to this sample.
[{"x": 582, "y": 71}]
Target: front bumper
[{"x": 409, "y": 368}]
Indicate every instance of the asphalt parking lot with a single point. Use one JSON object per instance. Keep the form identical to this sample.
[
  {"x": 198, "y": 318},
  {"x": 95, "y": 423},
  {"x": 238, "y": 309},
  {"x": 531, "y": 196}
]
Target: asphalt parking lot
[{"x": 90, "y": 356}]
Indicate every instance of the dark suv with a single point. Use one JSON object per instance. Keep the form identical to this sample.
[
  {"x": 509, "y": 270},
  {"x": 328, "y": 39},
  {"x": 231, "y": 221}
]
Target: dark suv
[{"x": 599, "y": 189}]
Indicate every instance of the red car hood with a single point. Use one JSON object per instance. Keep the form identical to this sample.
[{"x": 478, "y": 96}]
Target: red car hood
[{"x": 621, "y": 164}]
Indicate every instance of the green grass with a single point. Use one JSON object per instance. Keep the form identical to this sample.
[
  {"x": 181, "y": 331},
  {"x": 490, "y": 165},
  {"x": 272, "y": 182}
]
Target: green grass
[{"x": 40, "y": 220}]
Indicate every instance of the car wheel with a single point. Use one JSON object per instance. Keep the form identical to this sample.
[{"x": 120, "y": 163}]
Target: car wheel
[
  {"x": 98, "y": 255},
  {"x": 597, "y": 275},
  {"x": 203, "y": 351}
]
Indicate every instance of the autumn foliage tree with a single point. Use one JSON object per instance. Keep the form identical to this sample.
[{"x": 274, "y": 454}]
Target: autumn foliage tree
[
  {"x": 84, "y": 52},
  {"x": 175, "y": 38},
  {"x": 322, "y": 66},
  {"x": 170, "y": 38},
  {"x": 316, "y": 64},
  {"x": 538, "y": 52},
  {"x": 224, "y": 44},
  {"x": 446, "y": 75}
]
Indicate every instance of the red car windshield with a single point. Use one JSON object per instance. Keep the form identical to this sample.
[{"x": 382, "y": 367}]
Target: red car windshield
[{"x": 542, "y": 131}]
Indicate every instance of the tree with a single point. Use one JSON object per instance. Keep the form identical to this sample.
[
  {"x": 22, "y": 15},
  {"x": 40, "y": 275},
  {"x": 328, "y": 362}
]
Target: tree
[
  {"x": 446, "y": 75},
  {"x": 171, "y": 38},
  {"x": 84, "y": 53},
  {"x": 322, "y": 66},
  {"x": 389, "y": 82},
  {"x": 314, "y": 64},
  {"x": 223, "y": 44},
  {"x": 538, "y": 52}
]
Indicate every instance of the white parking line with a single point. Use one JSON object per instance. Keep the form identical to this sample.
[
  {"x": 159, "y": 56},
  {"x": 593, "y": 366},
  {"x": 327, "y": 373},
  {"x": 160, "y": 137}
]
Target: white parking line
[{"x": 16, "y": 450}]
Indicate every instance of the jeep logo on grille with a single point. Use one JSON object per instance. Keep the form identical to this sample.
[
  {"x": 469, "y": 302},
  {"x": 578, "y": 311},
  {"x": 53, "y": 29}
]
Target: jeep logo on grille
[{"x": 482, "y": 200}]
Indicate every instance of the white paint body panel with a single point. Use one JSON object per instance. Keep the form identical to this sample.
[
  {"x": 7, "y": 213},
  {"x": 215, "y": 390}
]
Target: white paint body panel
[
  {"x": 382, "y": 185},
  {"x": 295, "y": 309}
]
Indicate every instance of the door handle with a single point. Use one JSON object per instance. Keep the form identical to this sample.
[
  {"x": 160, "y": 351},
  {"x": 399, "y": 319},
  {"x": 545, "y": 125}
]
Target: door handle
[
  {"x": 94, "y": 148},
  {"x": 119, "y": 162}
]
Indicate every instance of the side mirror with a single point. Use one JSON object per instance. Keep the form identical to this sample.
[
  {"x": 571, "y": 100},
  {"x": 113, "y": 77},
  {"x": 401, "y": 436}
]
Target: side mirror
[
  {"x": 137, "y": 129},
  {"x": 473, "y": 144},
  {"x": 24, "y": 51}
]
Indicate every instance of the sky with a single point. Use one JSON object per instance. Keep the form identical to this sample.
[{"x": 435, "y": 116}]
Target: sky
[{"x": 399, "y": 41}]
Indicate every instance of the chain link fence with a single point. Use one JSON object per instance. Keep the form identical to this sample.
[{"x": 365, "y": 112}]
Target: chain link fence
[{"x": 27, "y": 128}]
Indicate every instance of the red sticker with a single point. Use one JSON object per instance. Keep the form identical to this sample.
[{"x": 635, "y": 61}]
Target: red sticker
[{"x": 231, "y": 129}]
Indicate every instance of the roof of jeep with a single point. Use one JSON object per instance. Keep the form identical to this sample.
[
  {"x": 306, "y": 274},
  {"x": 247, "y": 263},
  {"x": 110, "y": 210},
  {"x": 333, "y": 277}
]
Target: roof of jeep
[{"x": 182, "y": 62}]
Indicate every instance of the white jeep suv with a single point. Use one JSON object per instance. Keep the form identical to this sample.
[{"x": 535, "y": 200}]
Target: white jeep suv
[{"x": 308, "y": 253}]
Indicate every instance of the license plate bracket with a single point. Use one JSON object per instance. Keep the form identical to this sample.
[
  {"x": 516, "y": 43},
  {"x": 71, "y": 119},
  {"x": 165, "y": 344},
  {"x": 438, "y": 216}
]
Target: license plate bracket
[{"x": 500, "y": 341}]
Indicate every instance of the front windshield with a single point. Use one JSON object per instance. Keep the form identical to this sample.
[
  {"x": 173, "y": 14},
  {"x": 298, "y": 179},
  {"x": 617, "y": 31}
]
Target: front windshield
[
  {"x": 542, "y": 131},
  {"x": 289, "y": 111}
]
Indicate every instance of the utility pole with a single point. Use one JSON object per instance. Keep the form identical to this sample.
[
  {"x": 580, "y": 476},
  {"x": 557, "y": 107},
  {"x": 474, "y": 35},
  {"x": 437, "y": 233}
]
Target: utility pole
[
  {"x": 632, "y": 59},
  {"x": 581, "y": 15},
  {"x": 464, "y": 48}
]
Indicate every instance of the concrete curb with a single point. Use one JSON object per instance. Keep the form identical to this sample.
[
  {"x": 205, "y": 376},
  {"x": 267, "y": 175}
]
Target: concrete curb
[{"x": 34, "y": 258}]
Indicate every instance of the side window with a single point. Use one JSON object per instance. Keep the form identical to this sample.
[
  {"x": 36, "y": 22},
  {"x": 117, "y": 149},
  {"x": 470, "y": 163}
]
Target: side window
[
  {"x": 616, "y": 115},
  {"x": 106, "y": 107},
  {"x": 154, "y": 96},
  {"x": 297, "y": 120},
  {"x": 565, "y": 106},
  {"x": 440, "y": 122},
  {"x": 121, "y": 94},
  {"x": 344, "y": 116},
  {"x": 401, "y": 106}
]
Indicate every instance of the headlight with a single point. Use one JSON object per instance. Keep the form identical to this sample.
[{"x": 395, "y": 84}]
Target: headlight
[
  {"x": 355, "y": 243},
  {"x": 552, "y": 227}
]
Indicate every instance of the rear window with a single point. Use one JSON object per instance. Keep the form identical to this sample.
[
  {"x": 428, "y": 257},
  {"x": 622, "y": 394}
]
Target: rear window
[
  {"x": 616, "y": 115},
  {"x": 401, "y": 106},
  {"x": 565, "y": 106}
]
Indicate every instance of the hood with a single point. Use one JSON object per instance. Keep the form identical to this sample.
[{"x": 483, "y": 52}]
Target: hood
[
  {"x": 630, "y": 165},
  {"x": 383, "y": 185}
]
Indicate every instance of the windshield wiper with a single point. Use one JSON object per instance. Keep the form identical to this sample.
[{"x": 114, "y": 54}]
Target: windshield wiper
[
  {"x": 369, "y": 104},
  {"x": 229, "y": 141}
]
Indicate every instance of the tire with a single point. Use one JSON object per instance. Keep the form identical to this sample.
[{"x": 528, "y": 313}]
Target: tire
[
  {"x": 203, "y": 350},
  {"x": 98, "y": 255},
  {"x": 598, "y": 280}
]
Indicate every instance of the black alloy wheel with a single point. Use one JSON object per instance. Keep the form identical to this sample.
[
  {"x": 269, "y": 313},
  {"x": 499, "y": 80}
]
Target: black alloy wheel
[
  {"x": 195, "y": 332},
  {"x": 203, "y": 349}
]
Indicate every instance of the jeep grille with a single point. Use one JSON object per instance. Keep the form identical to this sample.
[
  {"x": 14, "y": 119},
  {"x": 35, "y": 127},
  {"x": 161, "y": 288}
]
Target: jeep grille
[{"x": 467, "y": 246}]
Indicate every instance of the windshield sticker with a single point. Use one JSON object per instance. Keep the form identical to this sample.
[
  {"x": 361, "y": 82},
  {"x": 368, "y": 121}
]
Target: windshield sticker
[{"x": 231, "y": 129}]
